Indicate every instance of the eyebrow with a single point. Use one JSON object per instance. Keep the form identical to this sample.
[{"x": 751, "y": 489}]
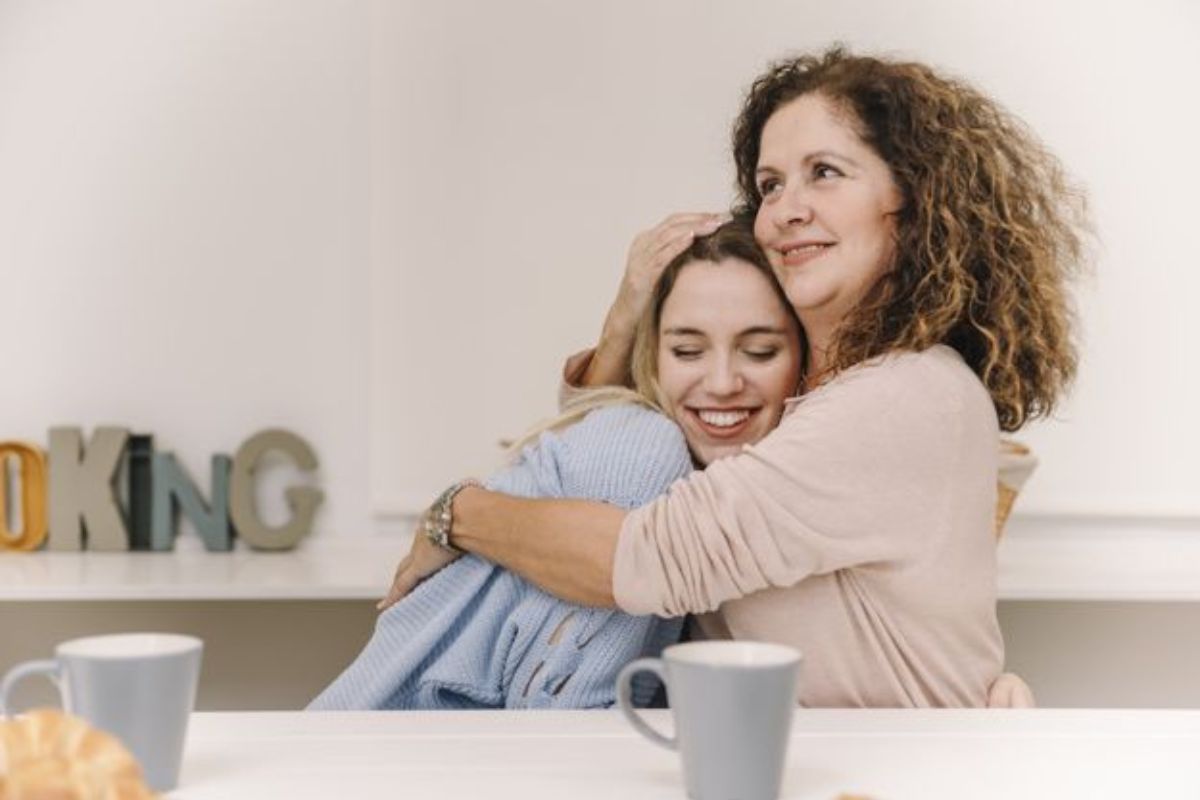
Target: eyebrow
[
  {"x": 757, "y": 330},
  {"x": 817, "y": 156}
]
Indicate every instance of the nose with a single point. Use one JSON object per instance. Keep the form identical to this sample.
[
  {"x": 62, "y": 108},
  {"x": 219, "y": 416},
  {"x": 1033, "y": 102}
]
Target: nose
[
  {"x": 723, "y": 378},
  {"x": 793, "y": 207}
]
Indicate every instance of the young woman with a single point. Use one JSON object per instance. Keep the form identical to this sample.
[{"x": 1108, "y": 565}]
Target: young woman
[
  {"x": 717, "y": 334},
  {"x": 925, "y": 240}
]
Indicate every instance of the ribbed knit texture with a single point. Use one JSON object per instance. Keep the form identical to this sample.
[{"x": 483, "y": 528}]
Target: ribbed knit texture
[{"x": 477, "y": 636}]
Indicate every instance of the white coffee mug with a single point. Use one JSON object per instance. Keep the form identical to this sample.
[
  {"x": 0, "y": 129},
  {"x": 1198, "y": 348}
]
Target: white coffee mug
[
  {"x": 140, "y": 687},
  {"x": 732, "y": 702}
]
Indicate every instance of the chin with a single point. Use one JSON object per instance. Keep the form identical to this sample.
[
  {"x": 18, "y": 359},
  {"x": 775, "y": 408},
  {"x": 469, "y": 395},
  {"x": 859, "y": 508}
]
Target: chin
[
  {"x": 805, "y": 292},
  {"x": 707, "y": 455}
]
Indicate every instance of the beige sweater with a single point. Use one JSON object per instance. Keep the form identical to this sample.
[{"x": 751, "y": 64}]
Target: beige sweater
[{"x": 859, "y": 531}]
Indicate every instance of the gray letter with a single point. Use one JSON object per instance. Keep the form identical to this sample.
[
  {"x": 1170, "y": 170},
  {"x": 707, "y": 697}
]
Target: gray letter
[
  {"x": 82, "y": 491},
  {"x": 302, "y": 501},
  {"x": 174, "y": 490}
]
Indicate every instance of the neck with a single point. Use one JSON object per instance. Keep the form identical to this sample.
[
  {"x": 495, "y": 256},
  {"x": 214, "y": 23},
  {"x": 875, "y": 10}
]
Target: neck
[{"x": 817, "y": 362}]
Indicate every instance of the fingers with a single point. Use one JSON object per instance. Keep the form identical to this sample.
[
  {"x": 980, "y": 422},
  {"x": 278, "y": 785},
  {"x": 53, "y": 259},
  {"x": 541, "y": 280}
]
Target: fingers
[
  {"x": 694, "y": 220},
  {"x": 653, "y": 249},
  {"x": 1010, "y": 691},
  {"x": 1022, "y": 697},
  {"x": 669, "y": 238},
  {"x": 669, "y": 246},
  {"x": 649, "y": 254},
  {"x": 400, "y": 585}
]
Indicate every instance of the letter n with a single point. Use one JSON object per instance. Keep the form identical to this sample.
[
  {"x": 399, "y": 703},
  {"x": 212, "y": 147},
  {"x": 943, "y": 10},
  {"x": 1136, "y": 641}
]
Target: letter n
[{"x": 174, "y": 491}]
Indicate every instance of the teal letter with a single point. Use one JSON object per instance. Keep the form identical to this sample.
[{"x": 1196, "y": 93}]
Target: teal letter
[{"x": 174, "y": 491}]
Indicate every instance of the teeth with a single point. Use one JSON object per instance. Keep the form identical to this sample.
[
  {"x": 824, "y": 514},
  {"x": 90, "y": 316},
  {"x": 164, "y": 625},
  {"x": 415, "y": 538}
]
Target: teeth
[
  {"x": 723, "y": 419},
  {"x": 808, "y": 248}
]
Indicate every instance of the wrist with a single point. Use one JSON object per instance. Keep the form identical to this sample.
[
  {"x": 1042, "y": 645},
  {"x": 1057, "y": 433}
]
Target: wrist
[
  {"x": 609, "y": 365},
  {"x": 438, "y": 521},
  {"x": 620, "y": 325},
  {"x": 464, "y": 503}
]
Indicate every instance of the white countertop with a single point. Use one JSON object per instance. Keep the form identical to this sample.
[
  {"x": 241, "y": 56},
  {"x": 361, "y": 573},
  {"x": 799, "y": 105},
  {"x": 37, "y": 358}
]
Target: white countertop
[
  {"x": 882, "y": 754},
  {"x": 1038, "y": 560}
]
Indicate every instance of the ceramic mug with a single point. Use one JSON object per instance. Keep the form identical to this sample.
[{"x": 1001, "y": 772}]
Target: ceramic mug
[
  {"x": 140, "y": 687},
  {"x": 732, "y": 702}
]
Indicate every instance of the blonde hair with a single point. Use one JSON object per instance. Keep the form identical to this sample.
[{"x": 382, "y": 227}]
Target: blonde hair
[{"x": 733, "y": 240}]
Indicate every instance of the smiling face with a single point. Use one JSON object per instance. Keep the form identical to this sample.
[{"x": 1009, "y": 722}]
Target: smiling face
[
  {"x": 728, "y": 356},
  {"x": 828, "y": 207}
]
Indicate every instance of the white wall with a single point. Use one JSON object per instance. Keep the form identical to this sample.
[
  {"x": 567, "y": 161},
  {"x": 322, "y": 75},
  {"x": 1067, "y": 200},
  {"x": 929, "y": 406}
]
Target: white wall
[
  {"x": 194, "y": 239},
  {"x": 528, "y": 141},
  {"x": 183, "y": 228}
]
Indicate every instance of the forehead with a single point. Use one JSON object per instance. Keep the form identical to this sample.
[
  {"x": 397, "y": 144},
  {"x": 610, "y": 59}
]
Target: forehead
[
  {"x": 728, "y": 294},
  {"x": 809, "y": 124}
]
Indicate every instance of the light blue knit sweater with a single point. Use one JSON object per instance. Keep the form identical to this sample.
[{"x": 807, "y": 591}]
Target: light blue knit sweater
[{"x": 477, "y": 636}]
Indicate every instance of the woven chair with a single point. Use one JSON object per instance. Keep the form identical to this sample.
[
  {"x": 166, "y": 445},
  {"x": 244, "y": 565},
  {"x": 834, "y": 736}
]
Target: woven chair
[{"x": 1017, "y": 463}]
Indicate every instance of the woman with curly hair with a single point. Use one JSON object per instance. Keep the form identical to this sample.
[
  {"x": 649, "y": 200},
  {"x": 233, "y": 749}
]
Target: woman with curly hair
[{"x": 926, "y": 241}]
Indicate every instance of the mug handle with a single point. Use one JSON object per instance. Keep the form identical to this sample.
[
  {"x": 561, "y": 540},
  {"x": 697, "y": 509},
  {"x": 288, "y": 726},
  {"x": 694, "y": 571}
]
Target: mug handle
[
  {"x": 49, "y": 667},
  {"x": 625, "y": 699}
]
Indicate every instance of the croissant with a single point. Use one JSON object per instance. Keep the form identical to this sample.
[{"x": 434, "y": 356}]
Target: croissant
[{"x": 49, "y": 755}]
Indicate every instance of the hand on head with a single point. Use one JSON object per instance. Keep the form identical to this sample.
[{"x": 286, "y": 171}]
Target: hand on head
[{"x": 649, "y": 254}]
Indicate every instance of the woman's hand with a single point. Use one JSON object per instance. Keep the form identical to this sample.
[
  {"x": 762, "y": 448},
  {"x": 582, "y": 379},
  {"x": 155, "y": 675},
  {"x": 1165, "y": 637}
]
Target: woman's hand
[
  {"x": 1010, "y": 691},
  {"x": 424, "y": 559},
  {"x": 649, "y": 255}
]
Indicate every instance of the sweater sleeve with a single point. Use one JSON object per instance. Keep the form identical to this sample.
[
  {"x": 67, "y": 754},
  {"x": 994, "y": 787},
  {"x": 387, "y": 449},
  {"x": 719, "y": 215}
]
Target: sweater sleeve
[
  {"x": 858, "y": 474},
  {"x": 625, "y": 455}
]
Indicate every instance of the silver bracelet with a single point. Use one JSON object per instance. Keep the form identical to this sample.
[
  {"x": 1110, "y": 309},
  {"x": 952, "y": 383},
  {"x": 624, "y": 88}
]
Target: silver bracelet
[{"x": 439, "y": 519}]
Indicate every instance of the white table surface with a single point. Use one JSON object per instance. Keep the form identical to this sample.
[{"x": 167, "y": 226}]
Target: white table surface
[{"x": 886, "y": 755}]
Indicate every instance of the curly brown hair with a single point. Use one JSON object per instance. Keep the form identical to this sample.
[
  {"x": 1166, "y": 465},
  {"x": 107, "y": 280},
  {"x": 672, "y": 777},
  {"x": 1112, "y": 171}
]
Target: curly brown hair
[{"x": 990, "y": 234}]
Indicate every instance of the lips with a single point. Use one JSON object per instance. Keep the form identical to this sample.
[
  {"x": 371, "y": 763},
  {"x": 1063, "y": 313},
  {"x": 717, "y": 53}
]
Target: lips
[
  {"x": 723, "y": 419},
  {"x": 795, "y": 254},
  {"x": 723, "y": 423}
]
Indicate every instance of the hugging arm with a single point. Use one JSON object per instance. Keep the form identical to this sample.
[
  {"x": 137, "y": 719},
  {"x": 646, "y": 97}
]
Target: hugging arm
[
  {"x": 565, "y": 547},
  {"x": 649, "y": 254},
  {"x": 807, "y": 499},
  {"x": 623, "y": 456}
]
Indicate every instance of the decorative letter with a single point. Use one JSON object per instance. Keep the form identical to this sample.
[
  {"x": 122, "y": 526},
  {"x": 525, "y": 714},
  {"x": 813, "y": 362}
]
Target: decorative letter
[
  {"x": 82, "y": 491},
  {"x": 141, "y": 490},
  {"x": 31, "y": 471},
  {"x": 174, "y": 490},
  {"x": 302, "y": 501}
]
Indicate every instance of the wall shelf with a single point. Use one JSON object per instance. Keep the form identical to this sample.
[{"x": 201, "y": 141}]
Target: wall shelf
[
  {"x": 1101, "y": 558},
  {"x": 349, "y": 570},
  {"x": 1040, "y": 559}
]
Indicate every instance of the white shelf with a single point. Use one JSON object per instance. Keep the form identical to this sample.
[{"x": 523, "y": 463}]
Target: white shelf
[
  {"x": 1051, "y": 558},
  {"x": 1101, "y": 558},
  {"x": 342, "y": 571}
]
